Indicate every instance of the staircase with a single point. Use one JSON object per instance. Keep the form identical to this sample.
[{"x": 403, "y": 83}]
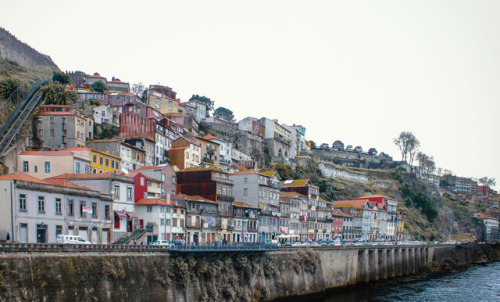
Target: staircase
[
  {"x": 18, "y": 117},
  {"x": 136, "y": 235}
]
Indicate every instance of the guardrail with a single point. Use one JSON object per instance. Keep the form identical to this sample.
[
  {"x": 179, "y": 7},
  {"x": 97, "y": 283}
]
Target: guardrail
[
  {"x": 228, "y": 247},
  {"x": 78, "y": 248}
]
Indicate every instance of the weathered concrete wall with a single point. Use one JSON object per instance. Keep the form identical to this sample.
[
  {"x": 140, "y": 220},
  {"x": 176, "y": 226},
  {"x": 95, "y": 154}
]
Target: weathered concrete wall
[
  {"x": 216, "y": 277},
  {"x": 16, "y": 51}
]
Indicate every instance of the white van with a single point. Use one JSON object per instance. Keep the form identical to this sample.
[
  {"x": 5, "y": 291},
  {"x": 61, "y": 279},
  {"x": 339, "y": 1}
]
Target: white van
[{"x": 72, "y": 239}]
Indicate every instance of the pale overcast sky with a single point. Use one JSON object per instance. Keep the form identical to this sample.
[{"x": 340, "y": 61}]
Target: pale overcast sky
[{"x": 358, "y": 71}]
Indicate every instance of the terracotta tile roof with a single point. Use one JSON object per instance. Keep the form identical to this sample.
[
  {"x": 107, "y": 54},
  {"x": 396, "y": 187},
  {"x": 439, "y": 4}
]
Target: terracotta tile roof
[
  {"x": 104, "y": 175},
  {"x": 374, "y": 196},
  {"x": 154, "y": 201},
  {"x": 284, "y": 201},
  {"x": 178, "y": 148},
  {"x": 241, "y": 168},
  {"x": 291, "y": 195},
  {"x": 47, "y": 153},
  {"x": 65, "y": 183},
  {"x": 21, "y": 176},
  {"x": 342, "y": 214},
  {"x": 296, "y": 183},
  {"x": 358, "y": 203},
  {"x": 54, "y": 182},
  {"x": 240, "y": 204},
  {"x": 210, "y": 136},
  {"x": 191, "y": 198}
]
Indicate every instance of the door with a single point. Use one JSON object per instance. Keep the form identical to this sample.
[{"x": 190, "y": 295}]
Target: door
[
  {"x": 84, "y": 233},
  {"x": 23, "y": 233},
  {"x": 141, "y": 222},
  {"x": 105, "y": 237},
  {"x": 41, "y": 233},
  {"x": 94, "y": 237}
]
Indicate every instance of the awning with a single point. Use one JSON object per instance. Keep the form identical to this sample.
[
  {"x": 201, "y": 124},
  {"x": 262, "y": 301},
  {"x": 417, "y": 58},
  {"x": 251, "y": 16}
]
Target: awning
[
  {"x": 121, "y": 214},
  {"x": 132, "y": 215}
]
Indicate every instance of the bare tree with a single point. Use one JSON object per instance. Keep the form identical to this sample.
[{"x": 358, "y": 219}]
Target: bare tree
[
  {"x": 138, "y": 89},
  {"x": 426, "y": 163},
  {"x": 408, "y": 145}
]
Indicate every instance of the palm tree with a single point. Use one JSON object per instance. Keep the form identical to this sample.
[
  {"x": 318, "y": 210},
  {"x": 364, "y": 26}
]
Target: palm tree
[{"x": 56, "y": 94}]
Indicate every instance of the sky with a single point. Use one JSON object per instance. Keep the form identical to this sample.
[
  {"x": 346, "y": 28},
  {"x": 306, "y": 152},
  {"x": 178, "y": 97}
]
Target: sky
[{"x": 356, "y": 71}]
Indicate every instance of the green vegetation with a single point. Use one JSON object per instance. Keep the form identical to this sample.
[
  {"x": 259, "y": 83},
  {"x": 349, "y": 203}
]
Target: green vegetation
[
  {"x": 99, "y": 86},
  {"x": 56, "y": 94},
  {"x": 224, "y": 113}
]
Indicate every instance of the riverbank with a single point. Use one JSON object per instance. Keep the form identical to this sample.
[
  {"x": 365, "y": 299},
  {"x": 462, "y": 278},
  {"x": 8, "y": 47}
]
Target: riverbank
[{"x": 220, "y": 276}]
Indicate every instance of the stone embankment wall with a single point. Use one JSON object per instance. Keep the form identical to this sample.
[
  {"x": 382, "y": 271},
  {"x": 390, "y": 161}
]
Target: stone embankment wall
[
  {"x": 216, "y": 277},
  {"x": 16, "y": 51}
]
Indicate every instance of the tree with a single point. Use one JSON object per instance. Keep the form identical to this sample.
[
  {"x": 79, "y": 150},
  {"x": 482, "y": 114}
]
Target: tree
[
  {"x": 408, "y": 145},
  {"x": 338, "y": 145},
  {"x": 485, "y": 181},
  {"x": 61, "y": 78},
  {"x": 224, "y": 113},
  {"x": 8, "y": 87},
  {"x": 372, "y": 151},
  {"x": 426, "y": 163},
  {"x": 138, "y": 89},
  {"x": 313, "y": 144},
  {"x": 56, "y": 94},
  {"x": 208, "y": 102},
  {"x": 99, "y": 86}
]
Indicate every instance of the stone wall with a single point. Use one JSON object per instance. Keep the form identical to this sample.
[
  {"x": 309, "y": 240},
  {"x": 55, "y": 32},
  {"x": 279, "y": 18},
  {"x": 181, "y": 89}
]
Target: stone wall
[
  {"x": 219, "y": 277},
  {"x": 16, "y": 51}
]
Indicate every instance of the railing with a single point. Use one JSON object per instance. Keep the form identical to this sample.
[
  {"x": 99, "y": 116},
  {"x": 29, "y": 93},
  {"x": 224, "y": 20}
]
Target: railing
[{"x": 221, "y": 247}]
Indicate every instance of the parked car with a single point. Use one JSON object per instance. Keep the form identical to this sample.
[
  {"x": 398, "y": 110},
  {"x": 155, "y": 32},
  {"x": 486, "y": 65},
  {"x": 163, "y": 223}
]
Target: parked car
[
  {"x": 165, "y": 243},
  {"x": 71, "y": 239}
]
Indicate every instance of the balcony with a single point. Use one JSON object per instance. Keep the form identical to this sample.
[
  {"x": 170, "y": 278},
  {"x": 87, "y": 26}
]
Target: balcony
[
  {"x": 196, "y": 225},
  {"x": 223, "y": 197},
  {"x": 207, "y": 160},
  {"x": 252, "y": 229}
]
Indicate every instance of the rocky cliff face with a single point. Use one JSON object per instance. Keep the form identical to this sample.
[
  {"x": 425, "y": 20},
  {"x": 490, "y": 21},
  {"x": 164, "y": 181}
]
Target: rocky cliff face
[{"x": 16, "y": 51}]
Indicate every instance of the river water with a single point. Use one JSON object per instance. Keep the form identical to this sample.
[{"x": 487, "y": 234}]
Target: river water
[{"x": 478, "y": 283}]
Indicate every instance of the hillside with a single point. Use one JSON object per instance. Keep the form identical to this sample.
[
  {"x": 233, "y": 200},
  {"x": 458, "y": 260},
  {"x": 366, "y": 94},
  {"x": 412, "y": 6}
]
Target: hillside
[{"x": 427, "y": 215}]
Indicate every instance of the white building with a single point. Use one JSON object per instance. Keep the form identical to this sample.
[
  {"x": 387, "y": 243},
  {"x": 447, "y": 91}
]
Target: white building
[{"x": 334, "y": 172}]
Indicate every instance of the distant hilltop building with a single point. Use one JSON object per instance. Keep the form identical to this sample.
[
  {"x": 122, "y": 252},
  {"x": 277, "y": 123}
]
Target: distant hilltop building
[{"x": 21, "y": 53}]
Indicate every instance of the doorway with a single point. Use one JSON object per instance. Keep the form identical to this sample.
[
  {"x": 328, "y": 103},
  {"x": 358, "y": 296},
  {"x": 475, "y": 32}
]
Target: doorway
[{"x": 41, "y": 233}]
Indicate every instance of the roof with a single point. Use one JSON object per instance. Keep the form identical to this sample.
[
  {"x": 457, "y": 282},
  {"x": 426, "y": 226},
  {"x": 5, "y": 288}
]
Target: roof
[
  {"x": 240, "y": 204},
  {"x": 105, "y": 140},
  {"x": 154, "y": 201},
  {"x": 268, "y": 173},
  {"x": 47, "y": 153},
  {"x": 188, "y": 140},
  {"x": 89, "y": 176},
  {"x": 284, "y": 201},
  {"x": 191, "y": 198},
  {"x": 291, "y": 195},
  {"x": 211, "y": 168},
  {"x": 296, "y": 183},
  {"x": 54, "y": 182},
  {"x": 178, "y": 148},
  {"x": 358, "y": 203},
  {"x": 241, "y": 168},
  {"x": 374, "y": 196},
  {"x": 210, "y": 136}
]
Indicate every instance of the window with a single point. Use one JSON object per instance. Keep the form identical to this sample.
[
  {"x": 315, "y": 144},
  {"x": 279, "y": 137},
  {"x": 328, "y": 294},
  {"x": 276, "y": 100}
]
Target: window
[
  {"x": 71, "y": 208},
  {"x": 112, "y": 164},
  {"x": 82, "y": 205},
  {"x": 51, "y": 132},
  {"x": 94, "y": 210},
  {"x": 107, "y": 162},
  {"x": 187, "y": 155},
  {"x": 167, "y": 222},
  {"x": 22, "y": 202},
  {"x": 41, "y": 204},
  {"x": 26, "y": 166},
  {"x": 129, "y": 193},
  {"x": 162, "y": 177},
  {"x": 116, "y": 191},
  {"x": 245, "y": 192},
  {"x": 58, "y": 206},
  {"x": 149, "y": 209},
  {"x": 245, "y": 180},
  {"x": 87, "y": 169},
  {"x": 94, "y": 159},
  {"x": 162, "y": 221},
  {"x": 47, "y": 167},
  {"x": 174, "y": 180},
  {"x": 107, "y": 212},
  {"x": 100, "y": 160},
  {"x": 36, "y": 169},
  {"x": 58, "y": 230},
  {"x": 77, "y": 169},
  {"x": 142, "y": 181},
  {"x": 174, "y": 222},
  {"x": 40, "y": 132},
  {"x": 162, "y": 192}
]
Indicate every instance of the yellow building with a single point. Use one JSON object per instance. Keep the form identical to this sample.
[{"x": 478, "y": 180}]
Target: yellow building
[
  {"x": 400, "y": 227},
  {"x": 103, "y": 162},
  {"x": 163, "y": 104}
]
